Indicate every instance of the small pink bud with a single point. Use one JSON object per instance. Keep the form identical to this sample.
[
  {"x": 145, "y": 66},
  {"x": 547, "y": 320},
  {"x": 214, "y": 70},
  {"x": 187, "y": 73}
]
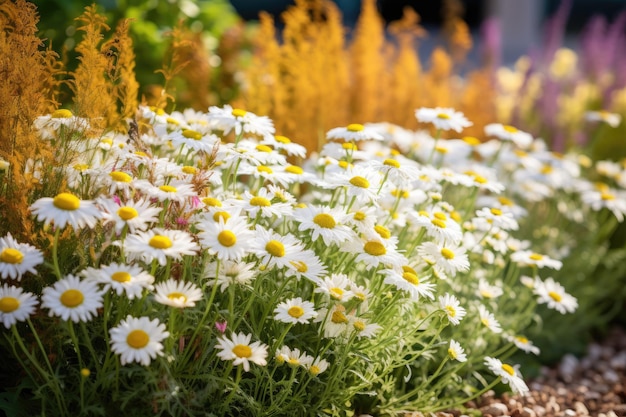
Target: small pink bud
[{"x": 221, "y": 326}]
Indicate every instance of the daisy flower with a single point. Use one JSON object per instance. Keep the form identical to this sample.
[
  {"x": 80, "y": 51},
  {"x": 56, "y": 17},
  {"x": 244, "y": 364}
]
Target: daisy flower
[
  {"x": 530, "y": 258},
  {"x": 354, "y": 132},
  {"x": 613, "y": 200},
  {"x": 117, "y": 181},
  {"x": 488, "y": 319},
  {"x": 129, "y": 279},
  {"x": 16, "y": 259},
  {"x": 294, "y": 311},
  {"x": 230, "y": 273},
  {"x": 136, "y": 215},
  {"x": 508, "y": 133},
  {"x": 138, "y": 339},
  {"x": 361, "y": 183},
  {"x": 524, "y": 344},
  {"x": 451, "y": 306},
  {"x": 193, "y": 139},
  {"x": 374, "y": 252},
  {"x": 15, "y": 305},
  {"x": 362, "y": 328},
  {"x": 611, "y": 119},
  {"x": 488, "y": 291},
  {"x": 307, "y": 264},
  {"x": 72, "y": 299},
  {"x": 263, "y": 203},
  {"x": 438, "y": 225},
  {"x": 443, "y": 118},
  {"x": 241, "y": 121},
  {"x": 317, "y": 366},
  {"x": 510, "y": 375},
  {"x": 456, "y": 352},
  {"x": 273, "y": 249},
  {"x": 337, "y": 287},
  {"x": 160, "y": 244},
  {"x": 283, "y": 143},
  {"x": 409, "y": 281},
  {"x": 449, "y": 258},
  {"x": 230, "y": 240},
  {"x": 324, "y": 222},
  {"x": 179, "y": 294},
  {"x": 553, "y": 294},
  {"x": 292, "y": 357},
  {"x": 238, "y": 349},
  {"x": 335, "y": 321},
  {"x": 495, "y": 217},
  {"x": 66, "y": 209},
  {"x": 48, "y": 125},
  {"x": 178, "y": 191}
]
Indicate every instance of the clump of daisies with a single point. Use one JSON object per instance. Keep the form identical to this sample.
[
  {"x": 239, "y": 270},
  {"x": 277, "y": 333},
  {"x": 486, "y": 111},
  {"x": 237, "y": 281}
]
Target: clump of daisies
[{"x": 208, "y": 265}]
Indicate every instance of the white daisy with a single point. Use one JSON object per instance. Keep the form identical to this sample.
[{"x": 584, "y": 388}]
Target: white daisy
[
  {"x": 374, "y": 252},
  {"x": 325, "y": 222},
  {"x": 17, "y": 259},
  {"x": 451, "y": 306},
  {"x": 524, "y": 344},
  {"x": 443, "y": 118},
  {"x": 292, "y": 357},
  {"x": 66, "y": 209},
  {"x": 177, "y": 190},
  {"x": 262, "y": 204},
  {"x": 362, "y": 328},
  {"x": 449, "y": 258},
  {"x": 408, "y": 280},
  {"x": 179, "y": 294},
  {"x": 230, "y": 240},
  {"x": 136, "y": 215},
  {"x": 553, "y": 294},
  {"x": 509, "y": 133},
  {"x": 337, "y": 287},
  {"x": 530, "y": 258},
  {"x": 488, "y": 319},
  {"x": 495, "y": 217},
  {"x": 49, "y": 125},
  {"x": 160, "y": 244},
  {"x": 72, "y": 299},
  {"x": 509, "y": 374},
  {"x": 488, "y": 291},
  {"x": 361, "y": 183},
  {"x": 294, "y": 311},
  {"x": 117, "y": 181},
  {"x": 335, "y": 321},
  {"x": 241, "y": 121},
  {"x": 283, "y": 143},
  {"x": 438, "y": 225},
  {"x": 611, "y": 119},
  {"x": 129, "y": 279},
  {"x": 306, "y": 264},
  {"x": 456, "y": 352},
  {"x": 354, "y": 132},
  {"x": 317, "y": 366},
  {"x": 15, "y": 305},
  {"x": 193, "y": 139},
  {"x": 138, "y": 339},
  {"x": 605, "y": 197},
  {"x": 273, "y": 249},
  {"x": 238, "y": 349},
  {"x": 230, "y": 273}
]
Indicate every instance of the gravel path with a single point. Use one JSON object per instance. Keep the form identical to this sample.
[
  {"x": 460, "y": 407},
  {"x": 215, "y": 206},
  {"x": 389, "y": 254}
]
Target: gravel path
[{"x": 594, "y": 385}]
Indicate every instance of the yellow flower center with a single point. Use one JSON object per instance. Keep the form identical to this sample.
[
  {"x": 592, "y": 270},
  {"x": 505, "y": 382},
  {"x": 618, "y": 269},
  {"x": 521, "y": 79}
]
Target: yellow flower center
[
  {"x": 510, "y": 129},
  {"x": 188, "y": 169},
  {"x": 238, "y": 112},
  {"x": 344, "y": 164},
  {"x": 177, "y": 296},
  {"x": 263, "y": 148},
  {"x": 536, "y": 257},
  {"x": 496, "y": 212},
  {"x": 451, "y": 311},
  {"x": 355, "y": 127},
  {"x": 9, "y": 304},
  {"x": 81, "y": 167},
  {"x": 263, "y": 168},
  {"x": 336, "y": 292},
  {"x": 212, "y": 202},
  {"x": 126, "y": 213},
  {"x": 411, "y": 277},
  {"x": 324, "y": 220},
  {"x": 452, "y": 353},
  {"x": 523, "y": 340},
  {"x": 314, "y": 370},
  {"x": 66, "y": 201},
  {"x": 260, "y": 202},
  {"x": 11, "y": 256},
  {"x": 282, "y": 139},
  {"x": 555, "y": 296},
  {"x": 443, "y": 116},
  {"x": 607, "y": 196},
  {"x": 120, "y": 276},
  {"x": 441, "y": 149},
  {"x": 358, "y": 181},
  {"x": 85, "y": 372},
  {"x": 508, "y": 369},
  {"x": 275, "y": 248},
  {"x": 439, "y": 223},
  {"x": 359, "y": 216},
  {"x": 406, "y": 268},
  {"x": 137, "y": 339},
  {"x": 300, "y": 266},
  {"x": 168, "y": 188},
  {"x": 61, "y": 114},
  {"x": 119, "y": 176},
  {"x": 349, "y": 146},
  {"x": 374, "y": 248},
  {"x": 72, "y": 298},
  {"x": 546, "y": 169},
  {"x": 338, "y": 317},
  {"x": 172, "y": 121},
  {"x": 224, "y": 215},
  {"x": 359, "y": 326},
  {"x": 242, "y": 351},
  {"x": 382, "y": 231},
  {"x": 505, "y": 201},
  {"x": 192, "y": 134},
  {"x": 391, "y": 163},
  {"x": 447, "y": 253},
  {"x": 400, "y": 193},
  {"x": 227, "y": 238},
  {"x": 471, "y": 140},
  {"x": 160, "y": 242},
  {"x": 295, "y": 311},
  {"x": 293, "y": 169}
]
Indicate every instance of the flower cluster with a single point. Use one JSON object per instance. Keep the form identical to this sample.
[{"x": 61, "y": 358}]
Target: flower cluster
[{"x": 209, "y": 253}]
